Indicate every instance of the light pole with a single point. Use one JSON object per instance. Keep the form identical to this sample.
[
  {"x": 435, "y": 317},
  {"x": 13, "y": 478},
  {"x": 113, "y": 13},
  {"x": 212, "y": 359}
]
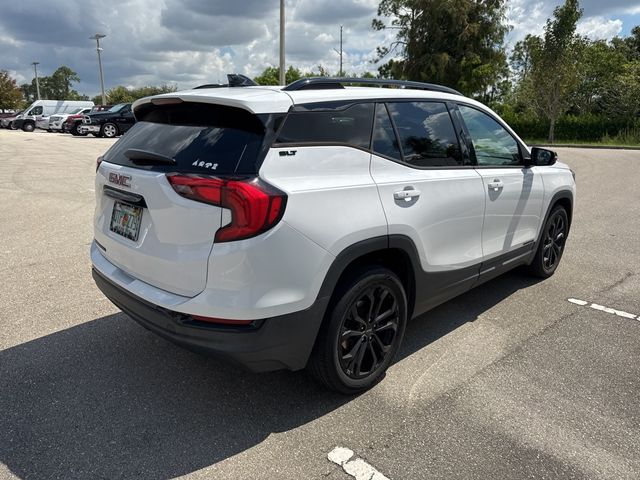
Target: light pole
[
  {"x": 97, "y": 38},
  {"x": 340, "y": 53},
  {"x": 283, "y": 78},
  {"x": 35, "y": 69}
]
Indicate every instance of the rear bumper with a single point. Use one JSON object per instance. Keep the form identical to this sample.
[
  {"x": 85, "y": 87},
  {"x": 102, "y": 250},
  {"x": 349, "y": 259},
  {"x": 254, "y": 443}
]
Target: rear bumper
[{"x": 282, "y": 342}]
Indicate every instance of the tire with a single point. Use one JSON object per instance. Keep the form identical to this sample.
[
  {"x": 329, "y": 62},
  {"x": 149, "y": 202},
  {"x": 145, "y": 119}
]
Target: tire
[
  {"x": 551, "y": 244},
  {"x": 109, "y": 130},
  {"x": 12, "y": 126},
  {"x": 368, "y": 347},
  {"x": 28, "y": 127},
  {"x": 74, "y": 131}
]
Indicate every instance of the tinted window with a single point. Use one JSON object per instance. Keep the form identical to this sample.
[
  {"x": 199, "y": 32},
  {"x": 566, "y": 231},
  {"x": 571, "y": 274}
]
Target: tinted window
[
  {"x": 116, "y": 108},
  {"x": 351, "y": 126},
  {"x": 385, "y": 141},
  {"x": 492, "y": 143},
  {"x": 207, "y": 139},
  {"x": 426, "y": 133},
  {"x": 36, "y": 110}
]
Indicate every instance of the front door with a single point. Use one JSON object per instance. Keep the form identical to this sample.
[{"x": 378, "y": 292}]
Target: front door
[{"x": 514, "y": 193}]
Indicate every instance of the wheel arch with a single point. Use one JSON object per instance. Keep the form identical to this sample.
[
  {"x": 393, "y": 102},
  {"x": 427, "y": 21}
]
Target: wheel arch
[
  {"x": 396, "y": 253},
  {"x": 563, "y": 198}
]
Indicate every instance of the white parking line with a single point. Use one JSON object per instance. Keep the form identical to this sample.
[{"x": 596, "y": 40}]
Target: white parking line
[
  {"x": 357, "y": 468},
  {"x": 604, "y": 309}
]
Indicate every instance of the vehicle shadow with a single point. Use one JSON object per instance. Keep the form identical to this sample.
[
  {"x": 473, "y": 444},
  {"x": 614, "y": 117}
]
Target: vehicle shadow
[
  {"x": 107, "y": 399},
  {"x": 442, "y": 320}
]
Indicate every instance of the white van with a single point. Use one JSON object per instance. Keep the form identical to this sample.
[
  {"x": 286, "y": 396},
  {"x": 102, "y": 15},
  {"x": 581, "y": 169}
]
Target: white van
[{"x": 43, "y": 109}]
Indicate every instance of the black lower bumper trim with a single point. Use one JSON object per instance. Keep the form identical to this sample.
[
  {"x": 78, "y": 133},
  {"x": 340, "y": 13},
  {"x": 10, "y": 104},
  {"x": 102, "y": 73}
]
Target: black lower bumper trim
[{"x": 279, "y": 342}]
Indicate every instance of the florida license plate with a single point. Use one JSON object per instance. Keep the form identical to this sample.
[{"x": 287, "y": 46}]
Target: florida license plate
[{"x": 125, "y": 220}]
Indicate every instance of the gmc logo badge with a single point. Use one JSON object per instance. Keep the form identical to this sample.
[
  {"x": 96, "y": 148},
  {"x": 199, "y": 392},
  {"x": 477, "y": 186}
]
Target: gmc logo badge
[{"x": 122, "y": 180}]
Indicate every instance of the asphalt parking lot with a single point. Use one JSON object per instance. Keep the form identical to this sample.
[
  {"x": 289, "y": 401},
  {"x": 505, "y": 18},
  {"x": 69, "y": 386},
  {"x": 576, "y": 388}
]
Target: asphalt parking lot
[{"x": 510, "y": 380}]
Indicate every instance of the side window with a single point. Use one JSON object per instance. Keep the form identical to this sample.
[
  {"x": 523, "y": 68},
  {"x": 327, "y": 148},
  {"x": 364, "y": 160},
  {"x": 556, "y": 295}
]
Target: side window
[
  {"x": 385, "y": 141},
  {"x": 426, "y": 132},
  {"x": 36, "y": 110},
  {"x": 492, "y": 143},
  {"x": 351, "y": 126}
]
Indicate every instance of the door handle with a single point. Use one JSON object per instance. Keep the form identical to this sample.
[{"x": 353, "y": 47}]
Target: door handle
[
  {"x": 495, "y": 185},
  {"x": 406, "y": 194}
]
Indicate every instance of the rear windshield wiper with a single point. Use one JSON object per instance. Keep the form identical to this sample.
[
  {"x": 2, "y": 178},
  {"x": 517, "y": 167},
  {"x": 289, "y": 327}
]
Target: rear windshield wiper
[{"x": 143, "y": 157}]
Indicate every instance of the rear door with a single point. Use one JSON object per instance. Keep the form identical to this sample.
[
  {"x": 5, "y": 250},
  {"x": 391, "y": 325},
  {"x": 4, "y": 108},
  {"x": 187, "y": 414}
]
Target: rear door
[
  {"x": 431, "y": 194},
  {"x": 513, "y": 193},
  {"x": 141, "y": 224}
]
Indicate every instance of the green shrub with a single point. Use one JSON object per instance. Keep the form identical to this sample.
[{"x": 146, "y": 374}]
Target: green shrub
[
  {"x": 628, "y": 136},
  {"x": 584, "y": 128}
]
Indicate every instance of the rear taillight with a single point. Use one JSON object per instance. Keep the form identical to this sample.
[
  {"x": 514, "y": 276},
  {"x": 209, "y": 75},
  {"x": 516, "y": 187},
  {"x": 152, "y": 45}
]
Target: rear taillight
[
  {"x": 98, "y": 162},
  {"x": 255, "y": 205}
]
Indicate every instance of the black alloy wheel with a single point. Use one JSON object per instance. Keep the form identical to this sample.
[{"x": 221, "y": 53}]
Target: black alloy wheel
[
  {"x": 362, "y": 330},
  {"x": 368, "y": 332},
  {"x": 551, "y": 245}
]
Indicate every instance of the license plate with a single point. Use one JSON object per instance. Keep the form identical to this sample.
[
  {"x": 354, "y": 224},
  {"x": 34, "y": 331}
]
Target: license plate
[{"x": 125, "y": 220}]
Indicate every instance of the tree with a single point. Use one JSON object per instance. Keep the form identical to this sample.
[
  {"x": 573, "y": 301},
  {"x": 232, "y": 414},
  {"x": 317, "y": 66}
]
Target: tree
[
  {"x": 553, "y": 74},
  {"x": 59, "y": 84},
  {"x": 122, "y": 94},
  {"x": 10, "y": 93},
  {"x": 56, "y": 87},
  {"x": 622, "y": 99},
  {"x": 458, "y": 43},
  {"x": 599, "y": 66},
  {"x": 271, "y": 76},
  {"x": 523, "y": 54}
]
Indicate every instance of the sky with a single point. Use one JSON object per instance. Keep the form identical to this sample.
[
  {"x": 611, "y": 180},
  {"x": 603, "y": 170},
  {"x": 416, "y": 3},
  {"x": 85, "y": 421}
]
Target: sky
[{"x": 191, "y": 42}]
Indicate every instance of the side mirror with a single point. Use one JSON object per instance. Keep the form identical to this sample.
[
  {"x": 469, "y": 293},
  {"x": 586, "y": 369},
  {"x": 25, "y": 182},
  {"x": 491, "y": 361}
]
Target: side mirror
[{"x": 543, "y": 157}]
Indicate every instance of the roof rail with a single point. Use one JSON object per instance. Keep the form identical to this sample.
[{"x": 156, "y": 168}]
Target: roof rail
[
  {"x": 234, "y": 79},
  {"x": 322, "y": 83}
]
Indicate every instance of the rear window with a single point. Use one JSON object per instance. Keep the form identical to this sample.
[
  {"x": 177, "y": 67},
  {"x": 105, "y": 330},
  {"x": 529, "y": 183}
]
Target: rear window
[
  {"x": 201, "y": 138},
  {"x": 351, "y": 126}
]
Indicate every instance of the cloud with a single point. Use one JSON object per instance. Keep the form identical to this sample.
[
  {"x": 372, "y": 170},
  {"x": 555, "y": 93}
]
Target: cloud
[
  {"x": 528, "y": 16},
  {"x": 599, "y": 28},
  {"x": 190, "y": 42}
]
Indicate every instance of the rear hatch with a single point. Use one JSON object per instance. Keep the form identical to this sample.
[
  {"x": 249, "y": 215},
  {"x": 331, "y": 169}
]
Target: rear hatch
[{"x": 141, "y": 224}]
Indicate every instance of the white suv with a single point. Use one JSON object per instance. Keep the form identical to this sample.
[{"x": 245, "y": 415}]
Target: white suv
[{"x": 305, "y": 225}]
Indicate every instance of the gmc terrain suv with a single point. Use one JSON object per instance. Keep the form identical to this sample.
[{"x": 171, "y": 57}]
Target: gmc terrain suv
[{"x": 304, "y": 226}]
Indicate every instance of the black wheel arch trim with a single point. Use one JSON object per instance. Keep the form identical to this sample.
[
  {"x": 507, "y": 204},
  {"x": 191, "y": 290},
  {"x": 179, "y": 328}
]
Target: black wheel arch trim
[
  {"x": 425, "y": 290},
  {"x": 561, "y": 195}
]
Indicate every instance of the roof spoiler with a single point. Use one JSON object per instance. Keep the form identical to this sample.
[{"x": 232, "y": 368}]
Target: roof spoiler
[{"x": 234, "y": 79}]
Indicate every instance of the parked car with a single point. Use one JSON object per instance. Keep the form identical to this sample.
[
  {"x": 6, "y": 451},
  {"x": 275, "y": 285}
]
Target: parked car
[
  {"x": 304, "y": 226},
  {"x": 56, "y": 122},
  {"x": 7, "y": 121},
  {"x": 111, "y": 123},
  {"x": 41, "y": 110},
  {"x": 72, "y": 122}
]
